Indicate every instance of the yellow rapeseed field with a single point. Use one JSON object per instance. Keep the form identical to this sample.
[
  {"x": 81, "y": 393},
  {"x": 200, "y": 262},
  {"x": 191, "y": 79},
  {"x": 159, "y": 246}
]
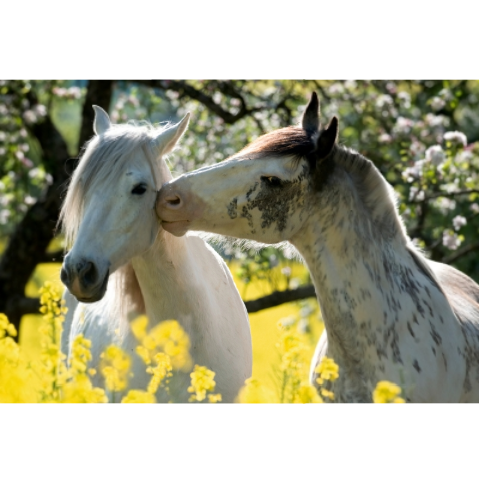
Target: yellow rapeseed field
[
  {"x": 264, "y": 324},
  {"x": 284, "y": 339}
]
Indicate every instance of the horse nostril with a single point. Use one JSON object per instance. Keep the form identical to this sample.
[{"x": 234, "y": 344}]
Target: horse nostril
[
  {"x": 88, "y": 274},
  {"x": 64, "y": 276},
  {"x": 173, "y": 201}
]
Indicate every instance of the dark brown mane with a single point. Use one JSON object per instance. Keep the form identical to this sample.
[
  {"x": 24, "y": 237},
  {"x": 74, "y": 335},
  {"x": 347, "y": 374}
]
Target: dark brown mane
[{"x": 289, "y": 141}]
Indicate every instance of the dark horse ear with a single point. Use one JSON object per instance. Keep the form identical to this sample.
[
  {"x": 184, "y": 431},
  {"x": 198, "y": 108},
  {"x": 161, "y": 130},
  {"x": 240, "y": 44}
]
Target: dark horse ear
[
  {"x": 310, "y": 121},
  {"x": 327, "y": 138}
]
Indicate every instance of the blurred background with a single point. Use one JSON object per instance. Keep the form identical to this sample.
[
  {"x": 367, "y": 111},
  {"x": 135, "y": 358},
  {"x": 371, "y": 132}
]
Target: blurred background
[{"x": 422, "y": 135}]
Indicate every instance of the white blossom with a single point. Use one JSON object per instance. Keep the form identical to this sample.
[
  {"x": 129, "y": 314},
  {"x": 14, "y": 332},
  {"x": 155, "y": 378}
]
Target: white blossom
[
  {"x": 29, "y": 116},
  {"x": 336, "y": 88},
  {"x": 273, "y": 261},
  {"x": 350, "y": 84},
  {"x": 383, "y": 101},
  {"x": 405, "y": 98},
  {"x": 456, "y": 137},
  {"x": 450, "y": 240},
  {"x": 413, "y": 172},
  {"x": 74, "y": 92},
  {"x": 303, "y": 326},
  {"x": 40, "y": 110},
  {"x": 459, "y": 221},
  {"x": 475, "y": 208},
  {"x": 445, "y": 205},
  {"x": 4, "y": 215},
  {"x": 416, "y": 194},
  {"x": 437, "y": 103},
  {"x": 287, "y": 321},
  {"x": 286, "y": 271},
  {"x": 435, "y": 155},
  {"x": 435, "y": 121},
  {"x": 385, "y": 138},
  {"x": 403, "y": 125}
]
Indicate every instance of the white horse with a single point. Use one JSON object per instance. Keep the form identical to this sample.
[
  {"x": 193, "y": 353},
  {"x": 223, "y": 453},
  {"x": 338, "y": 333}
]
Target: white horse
[
  {"x": 122, "y": 264},
  {"x": 388, "y": 312}
]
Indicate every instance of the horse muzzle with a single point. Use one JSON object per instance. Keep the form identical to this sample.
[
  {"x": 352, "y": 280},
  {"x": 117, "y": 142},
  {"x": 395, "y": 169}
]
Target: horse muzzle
[
  {"x": 84, "y": 280},
  {"x": 177, "y": 207}
]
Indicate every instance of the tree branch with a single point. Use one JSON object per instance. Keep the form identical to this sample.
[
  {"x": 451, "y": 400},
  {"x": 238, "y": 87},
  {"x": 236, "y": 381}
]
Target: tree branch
[
  {"x": 451, "y": 194},
  {"x": 185, "y": 89},
  {"x": 460, "y": 253},
  {"x": 26, "y": 305},
  {"x": 280, "y": 297}
]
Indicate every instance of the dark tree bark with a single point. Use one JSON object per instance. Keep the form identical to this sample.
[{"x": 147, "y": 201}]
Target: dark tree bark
[
  {"x": 27, "y": 245},
  {"x": 278, "y": 298}
]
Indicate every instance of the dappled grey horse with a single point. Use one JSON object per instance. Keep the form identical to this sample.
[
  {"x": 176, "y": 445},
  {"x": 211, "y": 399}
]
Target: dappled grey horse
[{"x": 389, "y": 313}]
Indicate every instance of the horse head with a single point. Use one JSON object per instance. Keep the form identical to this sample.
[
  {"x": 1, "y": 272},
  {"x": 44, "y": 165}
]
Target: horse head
[
  {"x": 108, "y": 215},
  {"x": 263, "y": 193}
]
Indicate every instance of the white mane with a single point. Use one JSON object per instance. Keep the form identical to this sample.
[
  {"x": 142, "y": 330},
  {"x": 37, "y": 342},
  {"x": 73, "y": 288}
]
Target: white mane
[{"x": 103, "y": 160}]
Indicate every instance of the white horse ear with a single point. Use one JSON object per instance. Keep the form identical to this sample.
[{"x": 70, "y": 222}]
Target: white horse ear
[
  {"x": 102, "y": 121},
  {"x": 167, "y": 139}
]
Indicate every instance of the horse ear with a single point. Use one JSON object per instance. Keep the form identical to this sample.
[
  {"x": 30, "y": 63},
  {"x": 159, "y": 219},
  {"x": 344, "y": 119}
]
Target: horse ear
[
  {"x": 327, "y": 138},
  {"x": 167, "y": 139},
  {"x": 310, "y": 121},
  {"x": 102, "y": 121}
]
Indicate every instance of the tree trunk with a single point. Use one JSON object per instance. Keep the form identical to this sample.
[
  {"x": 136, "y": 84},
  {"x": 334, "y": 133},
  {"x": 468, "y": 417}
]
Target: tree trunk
[{"x": 28, "y": 243}]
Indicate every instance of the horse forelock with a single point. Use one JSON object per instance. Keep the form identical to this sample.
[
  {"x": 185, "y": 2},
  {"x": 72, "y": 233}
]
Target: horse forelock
[
  {"x": 102, "y": 160},
  {"x": 289, "y": 141}
]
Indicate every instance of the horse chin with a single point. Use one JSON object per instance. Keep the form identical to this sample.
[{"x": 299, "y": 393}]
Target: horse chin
[
  {"x": 98, "y": 294},
  {"x": 176, "y": 228}
]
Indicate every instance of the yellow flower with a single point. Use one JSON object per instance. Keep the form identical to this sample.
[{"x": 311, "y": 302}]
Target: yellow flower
[
  {"x": 253, "y": 392},
  {"x": 115, "y": 368},
  {"x": 144, "y": 354},
  {"x": 18, "y": 383},
  {"x": 307, "y": 394},
  {"x": 80, "y": 354},
  {"x": 52, "y": 369},
  {"x": 328, "y": 394},
  {"x": 202, "y": 381},
  {"x": 293, "y": 361},
  {"x": 139, "y": 326},
  {"x": 80, "y": 390},
  {"x": 137, "y": 396},
  {"x": 327, "y": 369},
  {"x": 160, "y": 371},
  {"x": 6, "y": 328},
  {"x": 167, "y": 337},
  {"x": 387, "y": 392},
  {"x": 215, "y": 398}
]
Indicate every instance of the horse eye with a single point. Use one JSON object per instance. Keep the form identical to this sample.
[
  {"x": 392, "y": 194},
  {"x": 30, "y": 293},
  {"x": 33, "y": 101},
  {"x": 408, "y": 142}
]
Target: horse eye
[
  {"x": 271, "y": 180},
  {"x": 139, "y": 189}
]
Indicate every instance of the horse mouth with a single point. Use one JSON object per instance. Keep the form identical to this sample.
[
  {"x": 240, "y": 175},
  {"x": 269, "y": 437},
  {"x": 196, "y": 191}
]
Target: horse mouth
[
  {"x": 176, "y": 228},
  {"x": 99, "y": 293}
]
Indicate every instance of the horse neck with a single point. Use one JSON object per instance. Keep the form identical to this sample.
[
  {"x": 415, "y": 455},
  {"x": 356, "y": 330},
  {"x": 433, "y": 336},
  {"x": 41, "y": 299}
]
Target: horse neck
[
  {"x": 165, "y": 274},
  {"x": 360, "y": 268}
]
